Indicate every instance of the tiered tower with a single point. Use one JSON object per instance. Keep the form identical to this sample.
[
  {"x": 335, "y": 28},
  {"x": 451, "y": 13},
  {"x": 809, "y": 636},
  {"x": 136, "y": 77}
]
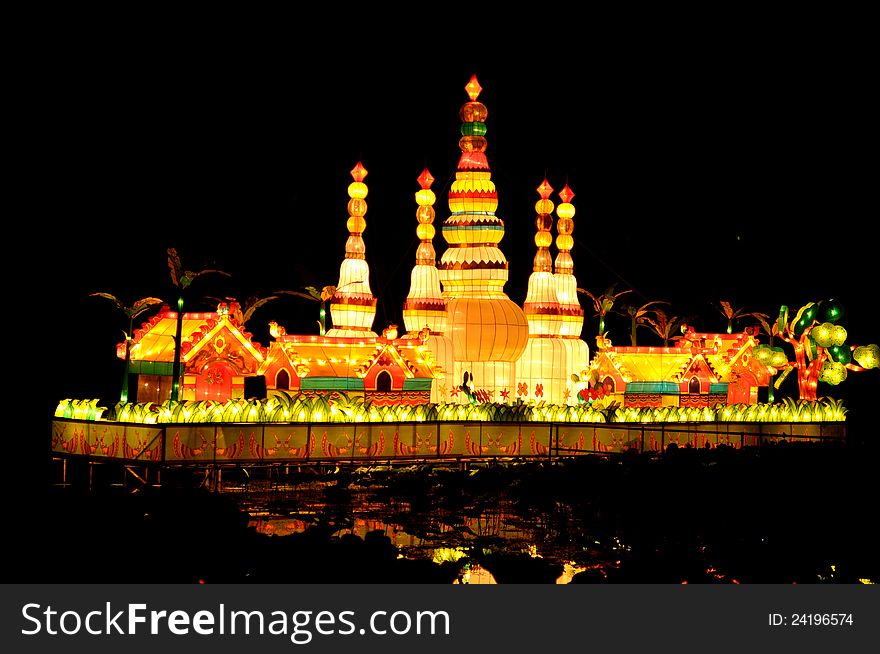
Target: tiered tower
[
  {"x": 542, "y": 371},
  {"x": 353, "y": 307},
  {"x": 571, "y": 312},
  {"x": 424, "y": 313},
  {"x": 489, "y": 331}
]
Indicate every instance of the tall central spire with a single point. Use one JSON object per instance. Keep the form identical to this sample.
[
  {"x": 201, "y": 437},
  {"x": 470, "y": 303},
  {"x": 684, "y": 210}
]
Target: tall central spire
[
  {"x": 489, "y": 332},
  {"x": 473, "y": 265}
]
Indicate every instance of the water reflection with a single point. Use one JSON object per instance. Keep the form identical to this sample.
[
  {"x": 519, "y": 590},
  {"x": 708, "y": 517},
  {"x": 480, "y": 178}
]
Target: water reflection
[
  {"x": 435, "y": 534},
  {"x": 692, "y": 516}
]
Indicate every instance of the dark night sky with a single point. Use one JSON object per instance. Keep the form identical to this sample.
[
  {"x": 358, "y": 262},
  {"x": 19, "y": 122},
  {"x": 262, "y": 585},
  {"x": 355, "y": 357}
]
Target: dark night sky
[{"x": 714, "y": 170}]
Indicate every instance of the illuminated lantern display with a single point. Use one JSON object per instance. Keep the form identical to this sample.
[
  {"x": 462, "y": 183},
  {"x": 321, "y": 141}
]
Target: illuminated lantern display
[
  {"x": 217, "y": 354},
  {"x": 571, "y": 313},
  {"x": 424, "y": 313},
  {"x": 353, "y": 307},
  {"x": 867, "y": 356},
  {"x": 466, "y": 341},
  {"x": 540, "y": 370},
  {"x": 820, "y": 349},
  {"x": 488, "y": 330}
]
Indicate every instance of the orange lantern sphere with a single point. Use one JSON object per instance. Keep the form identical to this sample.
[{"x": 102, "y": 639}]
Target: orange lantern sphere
[
  {"x": 473, "y": 112},
  {"x": 357, "y": 207},
  {"x": 565, "y": 225},
  {"x": 564, "y": 242},
  {"x": 543, "y": 206},
  {"x": 543, "y": 239},
  {"x": 544, "y": 222},
  {"x": 425, "y": 214},
  {"x": 472, "y": 143},
  {"x": 356, "y": 224}
]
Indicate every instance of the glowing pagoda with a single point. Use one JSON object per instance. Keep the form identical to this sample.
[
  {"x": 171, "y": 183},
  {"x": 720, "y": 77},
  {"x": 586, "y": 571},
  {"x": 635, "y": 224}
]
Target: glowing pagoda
[
  {"x": 541, "y": 370},
  {"x": 571, "y": 314},
  {"x": 424, "y": 313},
  {"x": 488, "y": 330},
  {"x": 353, "y": 307}
]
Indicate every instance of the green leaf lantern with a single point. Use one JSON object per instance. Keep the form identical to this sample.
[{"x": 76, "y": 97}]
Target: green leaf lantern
[
  {"x": 804, "y": 318},
  {"x": 830, "y": 311},
  {"x": 840, "y": 353}
]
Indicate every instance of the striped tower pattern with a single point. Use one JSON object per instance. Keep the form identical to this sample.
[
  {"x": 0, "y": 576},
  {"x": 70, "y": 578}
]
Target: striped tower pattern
[
  {"x": 571, "y": 312},
  {"x": 424, "y": 312},
  {"x": 353, "y": 307},
  {"x": 542, "y": 370},
  {"x": 489, "y": 331}
]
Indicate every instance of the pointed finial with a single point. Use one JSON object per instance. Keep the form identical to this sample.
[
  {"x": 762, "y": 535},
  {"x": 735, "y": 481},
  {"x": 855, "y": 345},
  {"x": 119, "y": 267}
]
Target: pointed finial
[
  {"x": 473, "y": 88},
  {"x": 566, "y": 194},
  {"x": 545, "y": 189},
  {"x": 359, "y": 172},
  {"x": 426, "y": 179}
]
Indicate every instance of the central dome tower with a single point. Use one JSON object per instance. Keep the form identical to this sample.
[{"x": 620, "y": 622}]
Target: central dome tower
[{"x": 489, "y": 331}]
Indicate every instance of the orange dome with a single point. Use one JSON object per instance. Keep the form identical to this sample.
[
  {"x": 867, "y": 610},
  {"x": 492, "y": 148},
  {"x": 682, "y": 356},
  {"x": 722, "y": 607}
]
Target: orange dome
[{"x": 487, "y": 329}]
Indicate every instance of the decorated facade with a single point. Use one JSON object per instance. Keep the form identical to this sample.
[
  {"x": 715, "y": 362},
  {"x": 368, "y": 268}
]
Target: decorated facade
[
  {"x": 217, "y": 354},
  {"x": 464, "y": 340},
  {"x": 703, "y": 369}
]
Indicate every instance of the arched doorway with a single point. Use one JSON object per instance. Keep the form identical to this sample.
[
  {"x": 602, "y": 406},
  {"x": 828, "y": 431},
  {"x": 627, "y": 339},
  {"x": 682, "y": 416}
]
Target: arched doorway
[
  {"x": 383, "y": 382},
  {"x": 282, "y": 380},
  {"x": 694, "y": 385}
]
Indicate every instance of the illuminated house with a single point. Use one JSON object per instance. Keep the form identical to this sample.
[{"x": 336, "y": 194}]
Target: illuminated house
[
  {"x": 216, "y": 356},
  {"x": 702, "y": 370},
  {"x": 351, "y": 357},
  {"x": 384, "y": 370}
]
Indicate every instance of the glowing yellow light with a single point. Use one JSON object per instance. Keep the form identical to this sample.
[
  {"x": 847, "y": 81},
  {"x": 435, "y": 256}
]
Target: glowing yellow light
[
  {"x": 565, "y": 211},
  {"x": 822, "y": 334},
  {"x": 425, "y": 231},
  {"x": 425, "y": 197},
  {"x": 357, "y": 190}
]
